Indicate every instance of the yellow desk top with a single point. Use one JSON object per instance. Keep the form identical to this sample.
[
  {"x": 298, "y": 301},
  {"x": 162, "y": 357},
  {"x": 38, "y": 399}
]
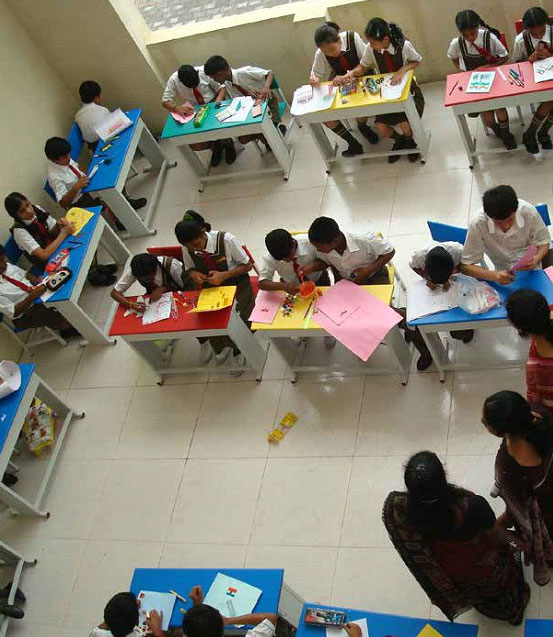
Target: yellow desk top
[
  {"x": 301, "y": 314},
  {"x": 364, "y": 98}
]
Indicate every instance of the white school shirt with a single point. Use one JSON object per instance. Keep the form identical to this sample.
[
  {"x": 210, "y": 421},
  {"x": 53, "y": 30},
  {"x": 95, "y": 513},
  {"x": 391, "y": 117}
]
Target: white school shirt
[
  {"x": 10, "y": 294},
  {"x": 88, "y": 117},
  {"x": 504, "y": 248},
  {"x": 175, "y": 91},
  {"x": 361, "y": 250},
  {"x": 418, "y": 258},
  {"x": 305, "y": 254},
  {"x": 519, "y": 47},
  {"x": 127, "y": 278},
  {"x": 234, "y": 253},
  {"x": 321, "y": 67},
  {"x": 102, "y": 632},
  {"x": 264, "y": 629},
  {"x": 24, "y": 240},
  {"x": 496, "y": 48},
  {"x": 250, "y": 78},
  {"x": 409, "y": 54},
  {"x": 62, "y": 179}
]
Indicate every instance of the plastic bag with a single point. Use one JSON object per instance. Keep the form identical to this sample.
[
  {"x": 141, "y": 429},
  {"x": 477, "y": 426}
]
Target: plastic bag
[
  {"x": 38, "y": 427},
  {"x": 473, "y": 296}
]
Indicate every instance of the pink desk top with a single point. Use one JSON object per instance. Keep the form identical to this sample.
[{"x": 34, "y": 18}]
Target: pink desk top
[{"x": 500, "y": 87}]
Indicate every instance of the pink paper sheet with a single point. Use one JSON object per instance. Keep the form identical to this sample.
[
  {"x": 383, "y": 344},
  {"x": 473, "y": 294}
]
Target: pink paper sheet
[
  {"x": 266, "y": 307},
  {"x": 363, "y": 331},
  {"x": 525, "y": 258},
  {"x": 183, "y": 119},
  {"x": 549, "y": 272},
  {"x": 340, "y": 302}
]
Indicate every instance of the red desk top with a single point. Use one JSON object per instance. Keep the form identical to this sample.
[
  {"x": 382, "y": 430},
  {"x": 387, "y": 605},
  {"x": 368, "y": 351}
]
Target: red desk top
[
  {"x": 186, "y": 321},
  {"x": 500, "y": 87}
]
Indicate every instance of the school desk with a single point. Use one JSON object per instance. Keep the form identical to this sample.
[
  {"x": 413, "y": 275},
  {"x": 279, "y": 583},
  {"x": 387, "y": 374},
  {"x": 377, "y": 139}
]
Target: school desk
[
  {"x": 13, "y": 409},
  {"x": 363, "y": 104},
  {"x": 113, "y": 169},
  {"x": 383, "y": 625},
  {"x": 502, "y": 95},
  {"x": 538, "y": 628},
  {"x": 277, "y": 597},
  {"x": 11, "y": 559},
  {"x": 184, "y": 135},
  {"x": 186, "y": 325},
  {"x": 299, "y": 325},
  {"x": 82, "y": 249},
  {"x": 458, "y": 319}
]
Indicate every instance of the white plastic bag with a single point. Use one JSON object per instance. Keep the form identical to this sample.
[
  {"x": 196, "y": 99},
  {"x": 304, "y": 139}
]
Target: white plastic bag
[{"x": 473, "y": 296}]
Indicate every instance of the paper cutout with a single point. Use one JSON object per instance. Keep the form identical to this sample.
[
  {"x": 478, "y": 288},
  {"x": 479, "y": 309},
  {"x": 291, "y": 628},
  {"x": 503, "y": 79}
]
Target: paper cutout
[
  {"x": 339, "y": 303},
  {"x": 525, "y": 259},
  {"x": 480, "y": 82},
  {"x": 217, "y": 298},
  {"x": 232, "y": 597},
  {"x": 429, "y": 631},
  {"x": 422, "y": 301},
  {"x": 152, "y": 600},
  {"x": 184, "y": 119},
  {"x": 79, "y": 217},
  {"x": 267, "y": 305},
  {"x": 158, "y": 310},
  {"x": 340, "y": 632}
]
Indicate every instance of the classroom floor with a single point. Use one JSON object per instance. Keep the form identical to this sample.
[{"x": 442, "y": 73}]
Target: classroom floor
[{"x": 182, "y": 475}]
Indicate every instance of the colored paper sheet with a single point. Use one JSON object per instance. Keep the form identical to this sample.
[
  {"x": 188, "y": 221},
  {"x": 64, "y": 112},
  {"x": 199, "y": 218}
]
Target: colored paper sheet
[
  {"x": 340, "y": 302},
  {"x": 162, "y": 602},
  {"x": 80, "y": 217},
  {"x": 183, "y": 119},
  {"x": 525, "y": 258},
  {"x": 232, "y": 597},
  {"x": 267, "y": 305},
  {"x": 549, "y": 272},
  {"x": 217, "y": 298},
  {"x": 429, "y": 631},
  {"x": 340, "y": 632}
]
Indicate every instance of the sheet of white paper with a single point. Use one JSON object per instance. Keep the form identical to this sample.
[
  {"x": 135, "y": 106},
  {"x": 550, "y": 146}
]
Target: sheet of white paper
[
  {"x": 323, "y": 98},
  {"x": 152, "y": 600},
  {"x": 543, "y": 70},
  {"x": 340, "y": 632},
  {"x": 244, "y": 105},
  {"x": 114, "y": 124},
  {"x": 232, "y": 597},
  {"x": 390, "y": 92},
  {"x": 422, "y": 301},
  {"x": 159, "y": 310}
]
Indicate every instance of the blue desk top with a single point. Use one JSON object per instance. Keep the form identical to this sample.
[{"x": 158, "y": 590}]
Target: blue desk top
[
  {"x": 108, "y": 174},
  {"x": 10, "y": 404},
  {"x": 534, "y": 279},
  {"x": 538, "y": 628},
  {"x": 173, "y": 129},
  {"x": 381, "y": 625},
  {"x": 182, "y": 580},
  {"x": 76, "y": 256}
]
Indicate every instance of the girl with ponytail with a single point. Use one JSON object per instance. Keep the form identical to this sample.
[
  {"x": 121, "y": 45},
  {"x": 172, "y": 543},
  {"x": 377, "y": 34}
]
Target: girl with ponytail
[
  {"x": 529, "y": 313},
  {"x": 523, "y": 475}
]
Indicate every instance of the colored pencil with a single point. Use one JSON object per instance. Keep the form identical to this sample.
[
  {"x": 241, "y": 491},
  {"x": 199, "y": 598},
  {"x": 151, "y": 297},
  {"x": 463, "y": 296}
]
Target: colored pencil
[
  {"x": 501, "y": 73},
  {"x": 453, "y": 87}
]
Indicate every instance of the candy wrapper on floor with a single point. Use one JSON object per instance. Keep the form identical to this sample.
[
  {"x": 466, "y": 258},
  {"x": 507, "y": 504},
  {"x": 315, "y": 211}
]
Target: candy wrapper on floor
[
  {"x": 38, "y": 428},
  {"x": 473, "y": 296}
]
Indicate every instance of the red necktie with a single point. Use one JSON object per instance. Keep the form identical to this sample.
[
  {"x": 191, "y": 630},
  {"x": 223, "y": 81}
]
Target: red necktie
[
  {"x": 42, "y": 231},
  {"x": 239, "y": 88},
  {"x": 344, "y": 64},
  {"x": 209, "y": 262},
  {"x": 17, "y": 283},
  {"x": 199, "y": 97},
  {"x": 489, "y": 57},
  {"x": 390, "y": 66},
  {"x": 296, "y": 267},
  {"x": 76, "y": 172}
]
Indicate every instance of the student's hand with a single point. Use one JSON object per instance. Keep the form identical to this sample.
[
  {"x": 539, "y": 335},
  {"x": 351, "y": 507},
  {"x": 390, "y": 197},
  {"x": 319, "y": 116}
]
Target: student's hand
[
  {"x": 198, "y": 277},
  {"x": 139, "y": 307},
  {"x": 196, "y": 595},
  {"x": 291, "y": 288},
  {"x": 397, "y": 77},
  {"x": 185, "y": 109},
  {"x": 503, "y": 277},
  {"x": 154, "y": 622},
  {"x": 447, "y": 285},
  {"x": 263, "y": 94},
  {"x": 341, "y": 79},
  {"x": 314, "y": 80},
  {"x": 37, "y": 291},
  {"x": 83, "y": 182},
  {"x": 533, "y": 57},
  {"x": 67, "y": 229},
  {"x": 431, "y": 285},
  {"x": 216, "y": 278},
  {"x": 353, "y": 630},
  {"x": 156, "y": 294}
]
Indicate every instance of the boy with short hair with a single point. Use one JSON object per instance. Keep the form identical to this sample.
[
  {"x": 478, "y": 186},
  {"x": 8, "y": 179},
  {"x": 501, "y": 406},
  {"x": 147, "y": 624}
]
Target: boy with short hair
[
  {"x": 286, "y": 255},
  {"x": 120, "y": 617},
  {"x": 504, "y": 230}
]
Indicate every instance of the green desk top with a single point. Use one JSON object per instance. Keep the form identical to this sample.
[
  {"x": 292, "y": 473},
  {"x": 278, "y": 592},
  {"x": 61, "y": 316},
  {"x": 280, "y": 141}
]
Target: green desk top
[{"x": 173, "y": 129}]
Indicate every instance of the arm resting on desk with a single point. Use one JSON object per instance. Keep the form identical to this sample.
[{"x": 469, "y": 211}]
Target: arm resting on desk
[
  {"x": 478, "y": 272},
  {"x": 253, "y": 619},
  {"x": 362, "y": 274},
  {"x": 221, "y": 95},
  {"x": 285, "y": 286},
  {"x": 126, "y": 302},
  {"x": 45, "y": 253},
  {"x": 26, "y": 303}
]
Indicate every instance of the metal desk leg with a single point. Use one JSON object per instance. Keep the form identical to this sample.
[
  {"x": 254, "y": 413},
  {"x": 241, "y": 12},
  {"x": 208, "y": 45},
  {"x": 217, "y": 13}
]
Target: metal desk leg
[
  {"x": 195, "y": 163},
  {"x": 123, "y": 210},
  {"x": 321, "y": 140},
  {"x": 255, "y": 353},
  {"x": 151, "y": 353},
  {"x": 468, "y": 142},
  {"x": 151, "y": 149},
  {"x": 437, "y": 350},
  {"x": 278, "y": 146},
  {"x": 10, "y": 557},
  {"x": 419, "y": 133},
  {"x": 83, "y": 323},
  {"x": 19, "y": 504},
  {"x": 113, "y": 244},
  {"x": 403, "y": 355}
]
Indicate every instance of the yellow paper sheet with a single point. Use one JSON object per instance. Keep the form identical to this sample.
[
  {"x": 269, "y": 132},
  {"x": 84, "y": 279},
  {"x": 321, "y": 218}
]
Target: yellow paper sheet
[
  {"x": 298, "y": 320},
  {"x": 428, "y": 631},
  {"x": 364, "y": 98},
  {"x": 80, "y": 217},
  {"x": 213, "y": 299}
]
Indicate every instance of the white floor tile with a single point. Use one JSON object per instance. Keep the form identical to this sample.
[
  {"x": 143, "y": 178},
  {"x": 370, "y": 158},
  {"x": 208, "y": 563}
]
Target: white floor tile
[
  {"x": 183, "y": 555},
  {"x": 110, "y": 366}
]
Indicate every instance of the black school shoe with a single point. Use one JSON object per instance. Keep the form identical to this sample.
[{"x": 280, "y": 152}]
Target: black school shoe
[
  {"x": 353, "y": 149},
  {"x": 410, "y": 143},
  {"x": 230, "y": 151},
  {"x": 19, "y": 594},
  {"x": 136, "y": 204},
  {"x": 545, "y": 140},
  {"x": 530, "y": 142},
  {"x": 282, "y": 128},
  {"x": 107, "y": 268},
  {"x": 424, "y": 362},
  {"x": 216, "y": 154},
  {"x": 70, "y": 332},
  {"x": 399, "y": 144},
  {"x": 9, "y": 480},
  {"x": 367, "y": 133},
  {"x": 101, "y": 279}
]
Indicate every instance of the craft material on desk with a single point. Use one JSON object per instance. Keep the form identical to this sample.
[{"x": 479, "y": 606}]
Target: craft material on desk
[
  {"x": 394, "y": 91},
  {"x": 422, "y": 301},
  {"x": 79, "y": 217},
  {"x": 232, "y": 597},
  {"x": 162, "y": 602},
  {"x": 217, "y": 298},
  {"x": 543, "y": 70},
  {"x": 267, "y": 304},
  {"x": 525, "y": 259},
  {"x": 335, "y": 302},
  {"x": 429, "y": 631},
  {"x": 322, "y": 98},
  {"x": 10, "y": 378},
  {"x": 158, "y": 310},
  {"x": 365, "y": 328},
  {"x": 340, "y": 632},
  {"x": 242, "y": 107},
  {"x": 184, "y": 119},
  {"x": 516, "y": 78},
  {"x": 480, "y": 82},
  {"x": 501, "y": 73},
  {"x": 114, "y": 124}
]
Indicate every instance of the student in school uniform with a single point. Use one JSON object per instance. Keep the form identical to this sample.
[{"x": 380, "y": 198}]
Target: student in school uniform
[
  {"x": 535, "y": 42},
  {"x": 34, "y": 230},
  {"x": 286, "y": 255},
  {"x": 121, "y": 618},
  {"x": 504, "y": 230},
  {"x": 246, "y": 80},
  {"x": 360, "y": 258},
  {"x": 337, "y": 53},
  {"x": 437, "y": 263},
  {"x": 89, "y": 116},
  {"x": 390, "y": 52},
  {"x": 479, "y": 47},
  {"x": 18, "y": 293},
  {"x": 213, "y": 258},
  {"x": 191, "y": 84}
]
